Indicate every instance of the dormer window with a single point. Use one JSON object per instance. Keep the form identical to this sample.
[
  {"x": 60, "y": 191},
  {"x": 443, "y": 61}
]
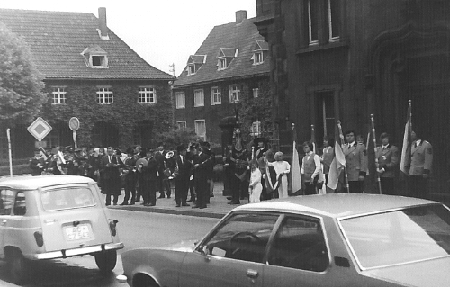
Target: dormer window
[
  {"x": 259, "y": 52},
  {"x": 226, "y": 55},
  {"x": 95, "y": 57},
  {"x": 194, "y": 64}
]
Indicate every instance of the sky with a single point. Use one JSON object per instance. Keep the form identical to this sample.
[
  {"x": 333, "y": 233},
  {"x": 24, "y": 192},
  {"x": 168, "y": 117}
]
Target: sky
[{"x": 163, "y": 32}]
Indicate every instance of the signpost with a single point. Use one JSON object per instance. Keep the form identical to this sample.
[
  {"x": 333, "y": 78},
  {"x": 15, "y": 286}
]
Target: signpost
[
  {"x": 74, "y": 125},
  {"x": 8, "y": 135}
]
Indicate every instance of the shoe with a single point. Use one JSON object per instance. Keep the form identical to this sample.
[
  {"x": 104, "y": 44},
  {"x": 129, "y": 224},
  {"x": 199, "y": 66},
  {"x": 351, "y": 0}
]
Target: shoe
[
  {"x": 195, "y": 206},
  {"x": 190, "y": 200},
  {"x": 178, "y": 205},
  {"x": 107, "y": 204},
  {"x": 132, "y": 203},
  {"x": 234, "y": 202},
  {"x": 168, "y": 196},
  {"x": 211, "y": 195},
  {"x": 202, "y": 207},
  {"x": 186, "y": 204},
  {"x": 124, "y": 203},
  {"x": 114, "y": 203},
  {"x": 146, "y": 204},
  {"x": 229, "y": 198},
  {"x": 161, "y": 197},
  {"x": 152, "y": 204}
]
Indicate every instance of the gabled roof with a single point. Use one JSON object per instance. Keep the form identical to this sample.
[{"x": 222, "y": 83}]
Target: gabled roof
[
  {"x": 197, "y": 59},
  {"x": 224, "y": 40},
  {"x": 261, "y": 45},
  {"x": 58, "y": 39}
]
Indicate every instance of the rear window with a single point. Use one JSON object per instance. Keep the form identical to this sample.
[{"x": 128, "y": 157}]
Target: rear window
[{"x": 67, "y": 198}]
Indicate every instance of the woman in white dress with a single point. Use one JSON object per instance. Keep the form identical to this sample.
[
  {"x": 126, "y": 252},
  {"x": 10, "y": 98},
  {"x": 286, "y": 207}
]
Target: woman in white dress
[
  {"x": 255, "y": 186},
  {"x": 282, "y": 169}
]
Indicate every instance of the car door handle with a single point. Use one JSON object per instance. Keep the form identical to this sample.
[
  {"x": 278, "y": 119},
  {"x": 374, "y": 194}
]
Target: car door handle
[{"x": 252, "y": 273}]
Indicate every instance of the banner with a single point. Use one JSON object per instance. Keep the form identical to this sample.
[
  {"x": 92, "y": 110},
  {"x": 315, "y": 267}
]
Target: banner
[
  {"x": 295, "y": 166},
  {"x": 406, "y": 145}
]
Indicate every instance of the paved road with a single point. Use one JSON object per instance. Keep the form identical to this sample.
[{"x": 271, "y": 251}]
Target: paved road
[{"x": 136, "y": 229}]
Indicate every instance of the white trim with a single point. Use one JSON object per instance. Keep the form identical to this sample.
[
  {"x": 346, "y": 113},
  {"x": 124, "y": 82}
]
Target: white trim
[
  {"x": 147, "y": 95},
  {"x": 217, "y": 94},
  {"x": 330, "y": 24},
  {"x": 59, "y": 95},
  {"x": 311, "y": 41},
  {"x": 183, "y": 125},
  {"x": 196, "y": 128},
  {"x": 104, "y": 95},
  {"x": 234, "y": 94}
]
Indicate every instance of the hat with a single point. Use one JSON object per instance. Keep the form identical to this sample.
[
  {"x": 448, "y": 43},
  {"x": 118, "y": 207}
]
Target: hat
[
  {"x": 170, "y": 154},
  {"x": 69, "y": 149},
  {"x": 143, "y": 153},
  {"x": 118, "y": 151},
  {"x": 130, "y": 150}
]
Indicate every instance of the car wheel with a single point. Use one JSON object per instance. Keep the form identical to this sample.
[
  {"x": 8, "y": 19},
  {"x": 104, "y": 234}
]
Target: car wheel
[
  {"x": 16, "y": 265},
  {"x": 106, "y": 260}
]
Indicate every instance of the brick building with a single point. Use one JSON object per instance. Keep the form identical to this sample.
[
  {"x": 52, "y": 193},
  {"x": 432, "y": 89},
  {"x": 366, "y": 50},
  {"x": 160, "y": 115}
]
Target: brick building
[
  {"x": 230, "y": 65},
  {"x": 91, "y": 74},
  {"x": 347, "y": 59}
]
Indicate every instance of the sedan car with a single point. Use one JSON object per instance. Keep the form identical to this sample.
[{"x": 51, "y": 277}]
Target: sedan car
[
  {"x": 54, "y": 216},
  {"x": 315, "y": 240}
]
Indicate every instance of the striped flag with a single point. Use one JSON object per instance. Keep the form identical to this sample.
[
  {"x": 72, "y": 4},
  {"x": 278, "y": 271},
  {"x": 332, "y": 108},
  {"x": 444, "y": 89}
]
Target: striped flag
[
  {"x": 295, "y": 167},
  {"x": 406, "y": 145},
  {"x": 338, "y": 163}
]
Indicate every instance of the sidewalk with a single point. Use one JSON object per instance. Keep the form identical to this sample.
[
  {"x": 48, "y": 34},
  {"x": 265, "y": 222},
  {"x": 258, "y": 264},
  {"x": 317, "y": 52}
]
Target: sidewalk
[{"x": 216, "y": 209}]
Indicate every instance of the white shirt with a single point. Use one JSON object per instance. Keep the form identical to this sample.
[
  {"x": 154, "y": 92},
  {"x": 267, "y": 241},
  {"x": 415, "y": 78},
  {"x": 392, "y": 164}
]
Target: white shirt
[{"x": 316, "y": 162}]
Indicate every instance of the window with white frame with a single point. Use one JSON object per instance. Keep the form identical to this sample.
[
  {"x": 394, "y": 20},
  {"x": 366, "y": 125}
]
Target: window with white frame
[
  {"x": 191, "y": 70},
  {"x": 222, "y": 63},
  {"x": 181, "y": 125},
  {"x": 258, "y": 58},
  {"x": 313, "y": 21},
  {"x": 333, "y": 20},
  {"x": 199, "y": 100},
  {"x": 215, "y": 96},
  {"x": 255, "y": 92},
  {"x": 100, "y": 61},
  {"x": 104, "y": 95},
  {"x": 59, "y": 95},
  {"x": 200, "y": 128},
  {"x": 179, "y": 100},
  {"x": 147, "y": 95},
  {"x": 234, "y": 93}
]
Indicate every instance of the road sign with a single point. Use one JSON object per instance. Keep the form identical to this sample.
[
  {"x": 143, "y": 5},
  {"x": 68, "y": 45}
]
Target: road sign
[
  {"x": 39, "y": 129},
  {"x": 74, "y": 124}
]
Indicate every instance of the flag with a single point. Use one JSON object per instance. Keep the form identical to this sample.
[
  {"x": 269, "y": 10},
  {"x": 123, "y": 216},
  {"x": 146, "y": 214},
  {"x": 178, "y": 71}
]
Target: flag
[
  {"x": 295, "y": 167},
  {"x": 338, "y": 163},
  {"x": 406, "y": 146},
  {"x": 313, "y": 139}
]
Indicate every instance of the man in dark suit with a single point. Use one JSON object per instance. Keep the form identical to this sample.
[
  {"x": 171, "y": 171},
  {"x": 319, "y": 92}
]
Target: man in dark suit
[
  {"x": 111, "y": 164},
  {"x": 37, "y": 163},
  {"x": 149, "y": 179},
  {"x": 130, "y": 178},
  {"x": 202, "y": 161},
  {"x": 388, "y": 160},
  {"x": 160, "y": 157},
  {"x": 355, "y": 168},
  {"x": 182, "y": 175}
]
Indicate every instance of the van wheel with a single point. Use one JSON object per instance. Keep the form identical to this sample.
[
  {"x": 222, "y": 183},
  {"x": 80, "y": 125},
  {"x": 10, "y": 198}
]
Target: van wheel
[
  {"x": 16, "y": 265},
  {"x": 106, "y": 260}
]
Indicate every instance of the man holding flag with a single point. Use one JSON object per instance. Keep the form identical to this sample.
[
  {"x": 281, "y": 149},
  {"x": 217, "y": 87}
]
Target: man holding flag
[{"x": 338, "y": 163}]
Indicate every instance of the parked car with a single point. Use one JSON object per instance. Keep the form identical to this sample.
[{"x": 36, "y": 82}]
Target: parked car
[
  {"x": 315, "y": 240},
  {"x": 54, "y": 216}
]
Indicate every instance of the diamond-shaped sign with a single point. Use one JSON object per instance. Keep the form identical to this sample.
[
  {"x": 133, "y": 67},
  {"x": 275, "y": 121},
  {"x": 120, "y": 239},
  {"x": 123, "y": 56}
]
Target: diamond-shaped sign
[{"x": 39, "y": 129}]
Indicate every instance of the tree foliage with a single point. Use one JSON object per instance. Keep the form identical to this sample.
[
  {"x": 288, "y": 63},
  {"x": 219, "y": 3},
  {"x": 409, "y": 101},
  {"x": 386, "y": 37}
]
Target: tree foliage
[
  {"x": 175, "y": 137},
  {"x": 257, "y": 109},
  {"x": 21, "y": 84}
]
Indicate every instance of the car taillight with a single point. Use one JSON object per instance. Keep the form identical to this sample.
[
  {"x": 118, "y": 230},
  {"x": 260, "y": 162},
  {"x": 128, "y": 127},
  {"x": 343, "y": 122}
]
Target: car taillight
[
  {"x": 112, "y": 227},
  {"x": 38, "y": 238}
]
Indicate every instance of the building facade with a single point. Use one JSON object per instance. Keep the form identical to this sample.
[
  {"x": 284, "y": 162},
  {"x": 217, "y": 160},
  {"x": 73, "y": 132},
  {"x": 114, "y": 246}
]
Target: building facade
[
  {"x": 231, "y": 65},
  {"x": 91, "y": 74},
  {"x": 347, "y": 59}
]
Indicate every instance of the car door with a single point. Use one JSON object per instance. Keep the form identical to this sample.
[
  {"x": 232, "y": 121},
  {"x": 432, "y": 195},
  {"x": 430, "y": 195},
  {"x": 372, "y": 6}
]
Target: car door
[
  {"x": 233, "y": 253},
  {"x": 6, "y": 203},
  {"x": 298, "y": 255}
]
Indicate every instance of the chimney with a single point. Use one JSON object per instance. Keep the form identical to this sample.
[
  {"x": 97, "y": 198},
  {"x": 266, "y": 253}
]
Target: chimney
[
  {"x": 102, "y": 22},
  {"x": 241, "y": 15}
]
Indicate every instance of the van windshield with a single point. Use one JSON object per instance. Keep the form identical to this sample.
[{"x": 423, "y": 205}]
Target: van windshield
[{"x": 67, "y": 198}]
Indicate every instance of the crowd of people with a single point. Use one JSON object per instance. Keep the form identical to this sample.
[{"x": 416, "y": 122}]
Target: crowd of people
[{"x": 253, "y": 175}]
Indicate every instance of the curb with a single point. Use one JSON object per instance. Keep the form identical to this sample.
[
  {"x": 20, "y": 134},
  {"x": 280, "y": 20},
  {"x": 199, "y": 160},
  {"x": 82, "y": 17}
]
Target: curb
[{"x": 170, "y": 211}]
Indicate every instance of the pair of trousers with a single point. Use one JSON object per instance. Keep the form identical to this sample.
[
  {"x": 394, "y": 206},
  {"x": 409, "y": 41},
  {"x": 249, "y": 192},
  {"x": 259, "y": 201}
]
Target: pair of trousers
[
  {"x": 181, "y": 190},
  {"x": 149, "y": 191},
  {"x": 418, "y": 186}
]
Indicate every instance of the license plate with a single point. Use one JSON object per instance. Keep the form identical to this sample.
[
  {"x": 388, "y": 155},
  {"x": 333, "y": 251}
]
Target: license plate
[{"x": 78, "y": 232}]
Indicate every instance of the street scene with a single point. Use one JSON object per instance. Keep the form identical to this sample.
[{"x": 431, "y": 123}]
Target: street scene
[{"x": 265, "y": 143}]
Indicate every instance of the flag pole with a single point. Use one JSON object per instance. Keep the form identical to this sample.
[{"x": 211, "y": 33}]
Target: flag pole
[
  {"x": 8, "y": 136},
  {"x": 313, "y": 139},
  {"x": 341, "y": 136},
  {"x": 375, "y": 153}
]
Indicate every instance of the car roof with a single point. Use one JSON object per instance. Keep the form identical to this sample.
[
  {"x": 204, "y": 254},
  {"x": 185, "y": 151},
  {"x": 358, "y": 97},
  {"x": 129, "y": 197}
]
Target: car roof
[
  {"x": 335, "y": 205},
  {"x": 28, "y": 182}
]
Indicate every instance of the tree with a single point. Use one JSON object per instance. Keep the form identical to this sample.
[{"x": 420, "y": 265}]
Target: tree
[
  {"x": 175, "y": 137},
  {"x": 21, "y": 83}
]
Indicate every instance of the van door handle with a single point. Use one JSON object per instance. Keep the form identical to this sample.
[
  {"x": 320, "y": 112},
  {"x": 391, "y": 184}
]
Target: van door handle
[{"x": 252, "y": 273}]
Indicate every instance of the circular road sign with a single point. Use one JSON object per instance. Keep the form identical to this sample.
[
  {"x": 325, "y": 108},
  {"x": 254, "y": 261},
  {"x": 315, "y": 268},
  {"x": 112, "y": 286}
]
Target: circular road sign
[{"x": 74, "y": 124}]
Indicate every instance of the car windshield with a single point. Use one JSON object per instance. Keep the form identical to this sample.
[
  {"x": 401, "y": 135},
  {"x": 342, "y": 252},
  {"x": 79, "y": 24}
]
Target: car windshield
[
  {"x": 67, "y": 198},
  {"x": 399, "y": 237}
]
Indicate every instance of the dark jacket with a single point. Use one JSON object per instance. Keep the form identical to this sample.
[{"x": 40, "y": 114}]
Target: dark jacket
[{"x": 184, "y": 168}]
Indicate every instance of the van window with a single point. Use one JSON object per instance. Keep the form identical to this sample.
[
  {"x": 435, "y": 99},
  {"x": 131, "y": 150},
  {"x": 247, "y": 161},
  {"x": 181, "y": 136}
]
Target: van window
[
  {"x": 67, "y": 198},
  {"x": 6, "y": 201},
  {"x": 20, "y": 207}
]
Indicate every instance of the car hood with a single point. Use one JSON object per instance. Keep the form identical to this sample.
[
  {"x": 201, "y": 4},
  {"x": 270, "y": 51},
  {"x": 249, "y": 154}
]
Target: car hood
[{"x": 430, "y": 273}]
